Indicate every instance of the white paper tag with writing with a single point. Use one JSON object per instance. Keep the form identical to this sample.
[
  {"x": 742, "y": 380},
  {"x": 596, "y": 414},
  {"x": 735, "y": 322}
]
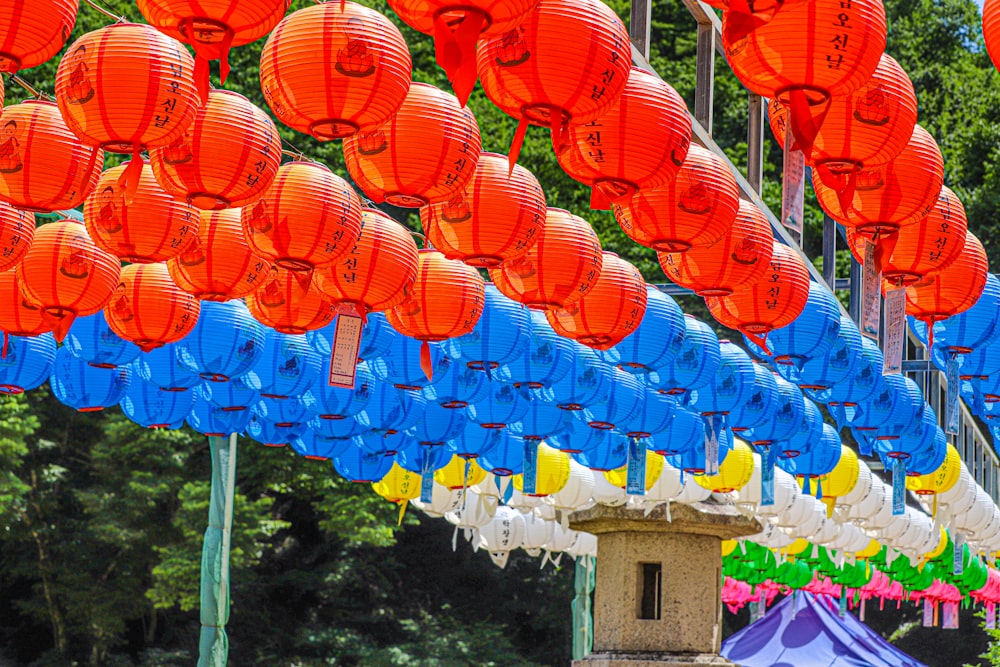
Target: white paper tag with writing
[
  {"x": 928, "y": 613},
  {"x": 895, "y": 330},
  {"x": 871, "y": 294},
  {"x": 951, "y": 405},
  {"x": 793, "y": 185},
  {"x": 344, "y": 355}
]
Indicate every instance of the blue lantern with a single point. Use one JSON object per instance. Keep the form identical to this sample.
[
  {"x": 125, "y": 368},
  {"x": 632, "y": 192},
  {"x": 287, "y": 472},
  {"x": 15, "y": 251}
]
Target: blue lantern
[
  {"x": 92, "y": 340},
  {"x": 547, "y": 357},
  {"x": 456, "y": 385},
  {"x": 419, "y": 457},
  {"x": 837, "y": 365},
  {"x": 577, "y": 436},
  {"x": 474, "y": 441},
  {"x": 685, "y": 433},
  {"x": 981, "y": 363},
  {"x": 379, "y": 442},
  {"x": 288, "y": 365},
  {"x": 927, "y": 458},
  {"x": 976, "y": 327},
  {"x": 330, "y": 402},
  {"x": 357, "y": 465},
  {"x": 695, "y": 363},
  {"x": 656, "y": 341},
  {"x": 162, "y": 368},
  {"x": 654, "y": 415},
  {"x": 624, "y": 400},
  {"x": 394, "y": 410},
  {"x": 918, "y": 441},
  {"x": 26, "y": 363},
  {"x": 787, "y": 417},
  {"x": 692, "y": 461},
  {"x": 500, "y": 335},
  {"x": 541, "y": 421},
  {"x": 376, "y": 338},
  {"x": 758, "y": 408},
  {"x": 241, "y": 393},
  {"x": 270, "y": 434},
  {"x": 208, "y": 419},
  {"x": 588, "y": 382},
  {"x": 502, "y": 406},
  {"x": 439, "y": 425},
  {"x": 86, "y": 388},
  {"x": 809, "y": 434},
  {"x": 282, "y": 411},
  {"x": 811, "y": 335},
  {"x": 151, "y": 407},
  {"x": 859, "y": 386},
  {"x": 506, "y": 457},
  {"x": 400, "y": 364},
  {"x": 887, "y": 414},
  {"x": 318, "y": 448},
  {"x": 613, "y": 455},
  {"x": 820, "y": 459},
  {"x": 731, "y": 387},
  {"x": 227, "y": 341},
  {"x": 340, "y": 428}
]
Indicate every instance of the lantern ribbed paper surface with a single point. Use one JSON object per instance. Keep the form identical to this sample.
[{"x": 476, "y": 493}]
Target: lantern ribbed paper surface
[
  {"x": 289, "y": 304},
  {"x": 226, "y": 342},
  {"x": 17, "y": 229},
  {"x": 32, "y": 31},
  {"x": 18, "y": 316},
  {"x": 149, "y": 308},
  {"x": 952, "y": 290},
  {"x": 447, "y": 300}
]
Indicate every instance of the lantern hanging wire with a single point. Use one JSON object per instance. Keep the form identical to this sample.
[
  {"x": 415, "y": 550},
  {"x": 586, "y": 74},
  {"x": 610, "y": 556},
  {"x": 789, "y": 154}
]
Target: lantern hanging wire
[{"x": 107, "y": 12}]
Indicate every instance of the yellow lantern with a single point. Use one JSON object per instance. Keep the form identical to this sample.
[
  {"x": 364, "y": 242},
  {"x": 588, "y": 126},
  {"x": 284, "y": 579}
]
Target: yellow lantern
[
  {"x": 551, "y": 472},
  {"x": 734, "y": 472},
  {"x": 941, "y": 480},
  {"x": 452, "y": 475},
  {"x": 870, "y": 551},
  {"x": 654, "y": 468},
  {"x": 728, "y": 547},
  {"x": 841, "y": 480},
  {"x": 398, "y": 485},
  {"x": 939, "y": 549},
  {"x": 797, "y": 547}
]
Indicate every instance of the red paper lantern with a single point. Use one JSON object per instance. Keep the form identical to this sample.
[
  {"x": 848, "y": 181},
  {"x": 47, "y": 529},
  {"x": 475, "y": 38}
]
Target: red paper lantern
[
  {"x": 66, "y": 274},
  {"x": 127, "y": 88},
  {"x": 153, "y": 227},
  {"x": 744, "y": 16},
  {"x": 289, "y": 303},
  {"x": 456, "y": 26},
  {"x": 218, "y": 264},
  {"x": 562, "y": 266},
  {"x": 613, "y": 154},
  {"x": 496, "y": 217},
  {"x": 18, "y": 316},
  {"x": 32, "y": 31},
  {"x": 888, "y": 196},
  {"x": 731, "y": 263},
  {"x": 772, "y": 302},
  {"x": 565, "y": 64},
  {"x": 379, "y": 271},
  {"x": 991, "y": 29},
  {"x": 307, "y": 218},
  {"x": 17, "y": 229},
  {"x": 425, "y": 154},
  {"x": 212, "y": 27},
  {"x": 228, "y": 156},
  {"x": 149, "y": 309},
  {"x": 609, "y": 312},
  {"x": 63, "y": 169},
  {"x": 335, "y": 69},
  {"x": 920, "y": 248},
  {"x": 952, "y": 290},
  {"x": 696, "y": 208},
  {"x": 869, "y": 126},
  {"x": 810, "y": 52}
]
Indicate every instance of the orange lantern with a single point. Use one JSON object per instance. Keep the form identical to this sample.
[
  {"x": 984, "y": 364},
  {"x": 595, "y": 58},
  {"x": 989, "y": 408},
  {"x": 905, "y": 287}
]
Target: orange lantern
[
  {"x": 744, "y": 16},
  {"x": 991, "y": 29},
  {"x": 696, "y": 208},
  {"x": 32, "y": 31},
  {"x": 562, "y": 266},
  {"x": 149, "y": 309},
  {"x": 153, "y": 227},
  {"x": 335, "y": 69},
  {"x": 869, "y": 126},
  {"x": 425, "y": 154},
  {"x": 613, "y": 154},
  {"x": 446, "y": 302},
  {"x": 888, "y": 196},
  {"x": 827, "y": 48},
  {"x": 609, "y": 312},
  {"x": 530, "y": 80},
  {"x": 307, "y": 218},
  {"x": 18, "y": 316},
  {"x": 63, "y": 169},
  {"x": 770, "y": 303},
  {"x": 920, "y": 248},
  {"x": 379, "y": 271},
  {"x": 732, "y": 262},
  {"x": 456, "y": 26},
  {"x": 290, "y": 305},
  {"x": 127, "y": 88},
  {"x": 953, "y": 289},
  {"x": 496, "y": 217},
  {"x": 17, "y": 228},
  {"x": 212, "y": 27},
  {"x": 66, "y": 274},
  {"x": 218, "y": 264},
  {"x": 228, "y": 156}
]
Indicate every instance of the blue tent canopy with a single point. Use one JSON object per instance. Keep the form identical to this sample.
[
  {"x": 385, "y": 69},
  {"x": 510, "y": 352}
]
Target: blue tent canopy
[{"x": 807, "y": 631}]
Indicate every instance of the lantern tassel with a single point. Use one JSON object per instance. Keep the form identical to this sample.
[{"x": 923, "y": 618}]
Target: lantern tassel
[
  {"x": 6, "y": 341},
  {"x": 844, "y": 185},
  {"x": 516, "y": 143},
  {"x": 425, "y": 361},
  {"x": 803, "y": 122},
  {"x": 740, "y": 24},
  {"x": 60, "y": 324},
  {"x": 128, "y": 181},
  {"x": 402, "y": 512},
  {"x": 227, "y": 43},
  {"x": 598, "y": 200},
  {"x": 557, "y": 128},
  {"x": 760, "y": 340},
  {"x": 201, "y": 76},
  {"x": 455, "y": 50}
]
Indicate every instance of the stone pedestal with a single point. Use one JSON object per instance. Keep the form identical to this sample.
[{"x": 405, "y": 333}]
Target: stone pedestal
[{"x": 657, "y": 599}]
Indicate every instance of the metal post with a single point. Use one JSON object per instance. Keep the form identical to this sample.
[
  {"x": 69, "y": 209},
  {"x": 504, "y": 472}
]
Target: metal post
[
  {"x": 639, "y": 23},
  {"x": 854, "y": 305},
  {"x": 704, "y": 89},
  {"x": 755, "y": 143},
  {"x": 830, "y": 251}
]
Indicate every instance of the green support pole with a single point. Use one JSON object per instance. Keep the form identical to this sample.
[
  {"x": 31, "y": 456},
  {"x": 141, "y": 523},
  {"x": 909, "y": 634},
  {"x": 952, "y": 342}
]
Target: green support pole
[
  {"x": 583, "y": 616},
  {"x": 213, "y": 646}
]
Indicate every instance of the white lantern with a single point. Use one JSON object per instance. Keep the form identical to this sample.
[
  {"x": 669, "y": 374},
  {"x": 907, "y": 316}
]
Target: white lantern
[
  {"x": 899, "y": 524},
  {"x": 585, "y": 545},
  {"x": 785, "y": 493},
  {"x": 749, "y": 495},
  {"x": 828, "y": 532},
  {"x": 861, "y": 489},
  {"x": 606, "y": 493},
  {"x": 870, "y": 504},
  {"x": 578, "y": 490},
  {"x": 561, "y": 540},
  {"x": 537, "y": 533},
  {"x": 443, "y": 500},
  {"x": 883, "y": 515},
  {"x": 523, "y": 503},
  {"x": 503, "y": 534},
  {"x": 692, "y": 492},
  {"x": 474, "y": 513}
]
